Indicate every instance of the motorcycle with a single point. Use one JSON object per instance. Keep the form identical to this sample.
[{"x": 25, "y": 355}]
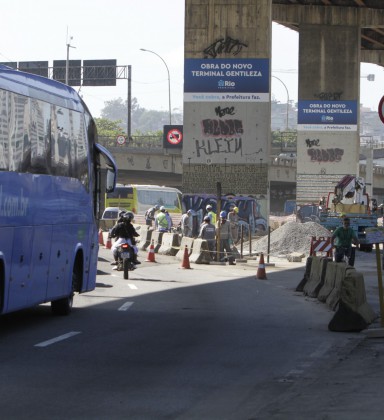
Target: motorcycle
[{"x": 125, "y": 257}]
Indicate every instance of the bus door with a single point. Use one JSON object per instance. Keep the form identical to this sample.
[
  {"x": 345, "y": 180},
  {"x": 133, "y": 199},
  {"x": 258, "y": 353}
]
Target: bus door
[
  {"x": 40, "y": 264},
  {"x": 20, "y": 268}
]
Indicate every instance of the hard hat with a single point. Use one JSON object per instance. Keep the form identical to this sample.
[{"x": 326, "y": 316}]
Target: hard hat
[
  {"x": 223, "y": 214},
  {"x": 236, "y": 209},
  {"x": 162, "y": 208},
  {"x": 157, "y": 207},
  {"x": 189, "y": 212},
  {"x": 209, "y": 207},
  {"x": 207, "y": 219}
]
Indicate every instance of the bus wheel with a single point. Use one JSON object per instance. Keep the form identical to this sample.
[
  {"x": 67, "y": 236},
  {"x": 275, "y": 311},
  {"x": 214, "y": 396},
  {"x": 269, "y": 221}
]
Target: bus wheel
[
  {"x": 126, "y": 268},
  {"x": 64, "y": 306}
]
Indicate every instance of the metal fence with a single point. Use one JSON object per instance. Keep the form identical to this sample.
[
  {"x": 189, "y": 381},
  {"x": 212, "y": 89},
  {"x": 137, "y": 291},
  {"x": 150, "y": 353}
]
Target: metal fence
[{"x": 134, "y": 142}]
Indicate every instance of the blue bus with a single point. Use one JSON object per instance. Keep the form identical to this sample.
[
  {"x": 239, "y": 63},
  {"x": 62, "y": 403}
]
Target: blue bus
[{"x": 51, "y": 173}]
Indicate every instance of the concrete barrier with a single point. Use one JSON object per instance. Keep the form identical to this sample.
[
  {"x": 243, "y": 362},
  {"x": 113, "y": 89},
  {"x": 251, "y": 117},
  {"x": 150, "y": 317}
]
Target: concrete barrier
[
  {"x": 303, "y": 282},
  {"x": 317, "y": 276},
  {"x": 145, "y": 237},
  {"x": 329, "y": 281},
  {"x": 200, "y": 252},
  {"x": 170, "y": 244},
  {"x": 157, "y": 238},
  {"x": 189, "y": 243},
  {"x": 334, "y": 297},
  {"x": 353, "y": 313}
]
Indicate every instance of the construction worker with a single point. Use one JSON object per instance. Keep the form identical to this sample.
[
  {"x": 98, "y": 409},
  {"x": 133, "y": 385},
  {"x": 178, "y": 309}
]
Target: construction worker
[
  {"x": 150, "y": 215},
  {"x": 186, "y": 224},
  {"x": 208, "y": 232},
  {"x": 211, "y": 214},
  {"x": 224, "y": 227},
  {"x": 233, "y": 219},
  {"x": 161, "y": 221}
]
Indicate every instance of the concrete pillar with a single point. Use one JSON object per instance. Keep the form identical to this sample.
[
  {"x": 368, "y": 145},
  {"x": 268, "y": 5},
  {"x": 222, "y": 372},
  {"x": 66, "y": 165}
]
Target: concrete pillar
[
  {"x": 328, "y": 108},
  {"x": 227, "y": 97}
]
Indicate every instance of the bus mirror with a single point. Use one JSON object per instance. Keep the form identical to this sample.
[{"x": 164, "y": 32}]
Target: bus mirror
[{"x": 111, "y": 181}]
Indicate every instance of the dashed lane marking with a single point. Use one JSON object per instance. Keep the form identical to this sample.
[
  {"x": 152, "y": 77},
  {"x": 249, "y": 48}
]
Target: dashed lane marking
[
  {"x": 57, "y": 339},
  {"x": 132, "y": 286},
  {"x": 126, "y": 306}
]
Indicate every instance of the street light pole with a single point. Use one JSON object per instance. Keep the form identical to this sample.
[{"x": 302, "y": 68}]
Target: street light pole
[
  {"x": 286, "y": 129},
  {"x": 67, "y": 62},
  {"x": 169, "y": 83}
]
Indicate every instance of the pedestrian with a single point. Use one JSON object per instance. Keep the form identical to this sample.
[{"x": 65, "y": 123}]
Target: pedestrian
[
  {"x": 211, "y": 214},
  {"x": 233, "y": 219},
  {"x": 342, "y": 239},
  {"x": 208, "y": 232},
  {"x": 161, "y": 222},
  {"x": 150, "y": 215},
  {"x": 186, "y": 224},
  {"x": 224, "y": 227}
]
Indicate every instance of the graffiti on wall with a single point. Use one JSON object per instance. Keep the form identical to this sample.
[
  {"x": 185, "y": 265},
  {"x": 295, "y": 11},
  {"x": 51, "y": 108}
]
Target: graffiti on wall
[
  {"x": 220, "y": 136},
  {"x": 326, "y": 155},
  {"x": 322, "y": 155},
  {"x": 226, "y": 45},
  {"x": 328, "y": 96}
]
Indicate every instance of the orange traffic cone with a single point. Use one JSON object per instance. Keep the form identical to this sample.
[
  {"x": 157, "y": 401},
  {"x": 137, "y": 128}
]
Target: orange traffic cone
[
  {"x": 108, "y": 245},
  {"x": 151, "y": 253},
  {"x": 101, "y": 239},
  {"x": 261, "y": 274},
  {"x": 185, "y": 263}
]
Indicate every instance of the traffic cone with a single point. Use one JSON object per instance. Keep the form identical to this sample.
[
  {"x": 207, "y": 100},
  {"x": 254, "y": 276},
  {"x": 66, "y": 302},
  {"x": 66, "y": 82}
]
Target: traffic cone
[
  {"x": 108, "y": 245},
  {"x": 261, "y": 274},
  {"x": 151, "y": 253},
  {"x": 101, "y": 239},
  {"x": 185, "y": 263}
]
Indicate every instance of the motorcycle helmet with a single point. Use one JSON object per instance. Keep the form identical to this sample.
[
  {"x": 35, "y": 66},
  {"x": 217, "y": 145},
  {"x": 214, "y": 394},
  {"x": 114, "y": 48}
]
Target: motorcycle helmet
[
  {"x": 223, "y": 214},
  {"x": 121, "y": 213},
  {"x": 129, "y": 216}
]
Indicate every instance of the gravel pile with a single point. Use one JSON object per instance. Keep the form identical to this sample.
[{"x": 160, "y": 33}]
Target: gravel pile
[{"x": 290, "y": 237}]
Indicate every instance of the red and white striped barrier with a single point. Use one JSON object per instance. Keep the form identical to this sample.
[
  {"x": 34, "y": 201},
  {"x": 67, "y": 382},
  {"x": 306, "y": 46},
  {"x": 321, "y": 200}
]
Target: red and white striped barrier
[{"x": 322, "y": 244}]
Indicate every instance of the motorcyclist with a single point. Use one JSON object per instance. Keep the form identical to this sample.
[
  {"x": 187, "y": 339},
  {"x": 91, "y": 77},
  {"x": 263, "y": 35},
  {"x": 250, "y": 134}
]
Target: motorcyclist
[{"x": 124, "y": 231}]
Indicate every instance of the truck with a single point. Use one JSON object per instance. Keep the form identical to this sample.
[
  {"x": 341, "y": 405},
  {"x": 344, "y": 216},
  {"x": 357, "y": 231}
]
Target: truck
[{"x": 349, "y": 199}]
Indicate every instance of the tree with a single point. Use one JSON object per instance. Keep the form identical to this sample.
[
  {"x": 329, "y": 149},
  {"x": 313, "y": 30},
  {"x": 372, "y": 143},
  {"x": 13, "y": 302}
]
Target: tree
[
  {"x": 143, "y": 120},
  {"x": 108, "y": 128}
]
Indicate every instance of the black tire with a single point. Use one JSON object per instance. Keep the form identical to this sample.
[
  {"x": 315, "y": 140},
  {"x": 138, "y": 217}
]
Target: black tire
[
  {"x": 63, "y": 306},
  {"x": 126, "y": 268}
]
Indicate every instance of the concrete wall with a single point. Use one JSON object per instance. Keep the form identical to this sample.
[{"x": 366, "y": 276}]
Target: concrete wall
[
  {"x": 227, "y": 132},
  {"x": 329, "y": 77}
]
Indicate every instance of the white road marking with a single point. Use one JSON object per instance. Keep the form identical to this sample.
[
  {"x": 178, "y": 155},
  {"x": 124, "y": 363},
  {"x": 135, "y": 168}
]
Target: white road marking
[
  {"x": 126, "y": 306},
  {"x": 57, "y": 339},
  {"x": 132, "y": 286}
]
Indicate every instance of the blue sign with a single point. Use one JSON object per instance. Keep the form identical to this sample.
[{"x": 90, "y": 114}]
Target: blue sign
[
  {"x": 327, "y": 112},
  {"x": 247, "y": 76}
]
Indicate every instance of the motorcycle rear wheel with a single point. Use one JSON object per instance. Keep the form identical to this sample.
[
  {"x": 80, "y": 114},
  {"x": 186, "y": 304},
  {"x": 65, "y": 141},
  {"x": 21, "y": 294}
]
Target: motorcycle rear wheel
[{"x": 126, "y": 268}]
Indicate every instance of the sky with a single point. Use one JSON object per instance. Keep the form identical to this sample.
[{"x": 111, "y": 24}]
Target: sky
[{"x": 40, "y": 30}]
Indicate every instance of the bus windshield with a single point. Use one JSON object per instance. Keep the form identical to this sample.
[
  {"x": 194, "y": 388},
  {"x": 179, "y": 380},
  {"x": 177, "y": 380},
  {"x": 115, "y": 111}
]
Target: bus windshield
[
  {"x": 50, "y": 188},
  {"x": 139, "y": 198}
]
